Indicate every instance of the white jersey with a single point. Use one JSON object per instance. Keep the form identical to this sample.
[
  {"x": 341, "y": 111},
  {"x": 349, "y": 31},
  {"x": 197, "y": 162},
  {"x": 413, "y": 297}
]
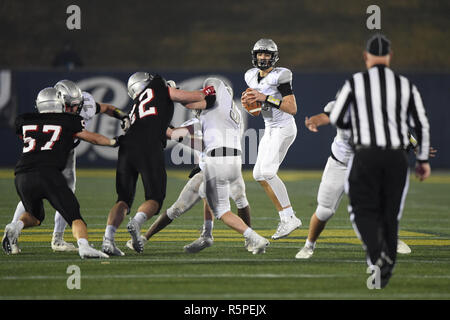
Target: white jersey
[
  {"x": 89, "y": 108},
  {"x": 269, "y": 86},
  {"x": 340, "y": 147},
  {"x": 221, "y": 123}
]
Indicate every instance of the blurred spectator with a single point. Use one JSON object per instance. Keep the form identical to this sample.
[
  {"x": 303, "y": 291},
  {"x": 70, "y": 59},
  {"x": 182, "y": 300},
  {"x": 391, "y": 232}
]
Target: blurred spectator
[{"x": 67, "y": 58}]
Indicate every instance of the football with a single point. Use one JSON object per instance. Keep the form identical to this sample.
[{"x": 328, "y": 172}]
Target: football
[{"x": 252, "y": 108}]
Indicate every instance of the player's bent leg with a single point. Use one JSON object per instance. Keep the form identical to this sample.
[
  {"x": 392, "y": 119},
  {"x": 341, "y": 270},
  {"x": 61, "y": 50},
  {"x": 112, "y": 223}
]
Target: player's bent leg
[
  {"x": 316, "y": 227},
  {"x": 206, "y": 239},
  {"x": 20, "y": 209}
]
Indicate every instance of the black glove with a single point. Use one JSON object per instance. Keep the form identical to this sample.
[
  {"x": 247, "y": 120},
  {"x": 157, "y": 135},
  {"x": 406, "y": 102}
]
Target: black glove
[
  {"x": 118, "y": 140},
  {"x": 195, "y": 171}
]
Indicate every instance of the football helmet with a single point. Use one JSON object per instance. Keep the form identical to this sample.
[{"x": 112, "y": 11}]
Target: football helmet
[
  {"x": 266, "y": 46},
  {"x": 137, "y": 83},
  {"x": 70, "y": 94},
  {"x": 47, "y": 101}
]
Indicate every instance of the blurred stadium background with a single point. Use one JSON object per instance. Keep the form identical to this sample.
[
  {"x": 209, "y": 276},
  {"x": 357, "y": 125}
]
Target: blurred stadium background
[{"x": 320, "y": 41}]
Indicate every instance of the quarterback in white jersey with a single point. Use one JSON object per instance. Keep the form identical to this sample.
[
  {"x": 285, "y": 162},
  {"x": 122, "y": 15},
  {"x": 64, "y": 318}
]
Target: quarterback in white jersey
[
  {"x": 332, "y": 185},
  {"x": 272, "y": 86},
  {"x": 71, "y": 95}
]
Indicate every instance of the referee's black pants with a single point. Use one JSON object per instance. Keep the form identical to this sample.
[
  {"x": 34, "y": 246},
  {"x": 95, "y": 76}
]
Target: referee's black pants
[{"x": 378, "y": 183}]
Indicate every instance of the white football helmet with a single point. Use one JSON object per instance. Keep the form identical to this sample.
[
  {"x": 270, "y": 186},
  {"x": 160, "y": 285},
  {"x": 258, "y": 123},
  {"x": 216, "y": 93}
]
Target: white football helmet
[
  {"x": 47, "y": 101},
  {"x": 266, "y": 46},
  {"x": 70, "y": 94},
  {"x": 137, "y": 83}
]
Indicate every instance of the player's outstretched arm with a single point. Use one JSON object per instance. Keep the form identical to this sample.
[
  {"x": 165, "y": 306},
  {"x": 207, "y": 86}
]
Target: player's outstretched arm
[
  {"x": 114, "y": 112},
  {"x": 96, "y": 138},
  {"x": 185, "y": 97},
  {"x": 315, "y": 121}
]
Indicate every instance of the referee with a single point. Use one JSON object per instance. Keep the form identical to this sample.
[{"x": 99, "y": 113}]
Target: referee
[{"x": 379, "y": 106}]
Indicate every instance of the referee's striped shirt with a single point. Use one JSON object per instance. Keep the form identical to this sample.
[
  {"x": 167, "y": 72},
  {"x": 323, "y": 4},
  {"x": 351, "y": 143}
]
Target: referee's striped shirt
[{"x": 379, "y": 106}]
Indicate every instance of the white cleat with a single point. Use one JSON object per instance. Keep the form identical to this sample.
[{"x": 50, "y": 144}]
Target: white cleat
[
  {"x": 109, "y": 247},
  {"x": 9, "y": 240},
  {"x": 199, "y": 244},
  {"x": 59, "y": 245},
  {"x": 402, "y": 247},
  {"x": 305, "y": 253},
  {"x": 286, "y": 226},
  {"x": 135, "y": 231},
  {"x": 130, "y": 242},
  {"x": 257, "y": 244},
  {"x": 87, "y": 252}
]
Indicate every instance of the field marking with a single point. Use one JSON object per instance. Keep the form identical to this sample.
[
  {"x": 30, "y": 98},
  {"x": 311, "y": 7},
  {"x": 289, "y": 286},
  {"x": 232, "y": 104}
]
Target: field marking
[
  {"x": 216, "y": 275},
  {"x": 345, "y": 236},
  {"x": 379, "y": 294},
  {"x": 195, "y": 259},
  {"x": 286, "y": 175}
]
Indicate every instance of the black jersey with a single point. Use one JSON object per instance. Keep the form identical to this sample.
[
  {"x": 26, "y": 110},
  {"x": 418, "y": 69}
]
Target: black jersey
[
  {"x": 150, "y": 116},
  {"x": 47, "y": 139}
]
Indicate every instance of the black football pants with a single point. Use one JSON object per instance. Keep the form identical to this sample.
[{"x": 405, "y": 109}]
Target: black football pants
[{"x": 378, "y": 184}]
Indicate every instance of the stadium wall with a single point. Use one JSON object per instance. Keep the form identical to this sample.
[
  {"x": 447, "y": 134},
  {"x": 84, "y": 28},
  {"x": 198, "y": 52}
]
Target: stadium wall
[{"x": 18, "y": 90}]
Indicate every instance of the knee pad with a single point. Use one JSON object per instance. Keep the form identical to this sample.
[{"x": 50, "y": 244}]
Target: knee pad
[
  {"x": 267, "y": 175},
  {"x": 323, "y": 213},
  {"x": 237, "y": 192}
]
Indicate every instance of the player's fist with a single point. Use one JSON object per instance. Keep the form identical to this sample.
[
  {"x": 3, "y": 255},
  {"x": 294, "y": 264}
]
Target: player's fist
[{"x": 254, "y": 107}]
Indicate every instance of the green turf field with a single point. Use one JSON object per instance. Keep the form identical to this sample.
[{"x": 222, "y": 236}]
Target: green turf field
[{"x": 226, "y": 270}]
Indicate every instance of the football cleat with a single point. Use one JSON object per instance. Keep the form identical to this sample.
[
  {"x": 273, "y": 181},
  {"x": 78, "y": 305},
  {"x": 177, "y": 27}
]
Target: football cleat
[
  {"x": 286, "y": 226},
  {"x": 402, "y": 247},
  {"x": 87, "y": 252},
  {"x": 130, "y": 242},
  {"x": 109, "y": 247},
  {"x": 198, "y": 245},
  {"x": 9, "y": 240},
  {"x": 59, "y": 245},
  {"x": 305, "y": 253},
  {"x": 135, "y": 232},
  {"x": 257, "y": 244}
]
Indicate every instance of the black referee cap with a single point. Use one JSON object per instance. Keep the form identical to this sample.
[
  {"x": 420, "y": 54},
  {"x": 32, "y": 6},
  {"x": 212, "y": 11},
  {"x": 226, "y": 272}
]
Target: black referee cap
[{"x": 378, "y": 45}]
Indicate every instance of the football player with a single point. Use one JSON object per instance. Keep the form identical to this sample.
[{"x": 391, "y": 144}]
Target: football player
[
  {"x": 332, "y": 186},
  {"x": 193, "y": 191},
  {"x": 222, "y": 162},
  {"x": 272, "y": 86},
  {"x": 48, "y": 137},
  {"x": 72, "y": 96},
  {"x": 141, "y": 152}
]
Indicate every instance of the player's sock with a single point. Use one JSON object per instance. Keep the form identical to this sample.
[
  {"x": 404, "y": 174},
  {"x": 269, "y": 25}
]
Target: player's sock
[
  {"x": 279, "y": 189},
  {"x": 208, "y": 226},
  {"x": 20, "y": 209},
  {"x": 60, "y": 223},
  {"x": 20, "y": 225},
  {"x": 140, "y": 218},
  {"x": 288, "y": 212},
  {"x": 110, "y": 232},
  {"x": 82, "y": 242},
  {"x": 248, "y": 232},
  {"x": 310, "y": 244}
]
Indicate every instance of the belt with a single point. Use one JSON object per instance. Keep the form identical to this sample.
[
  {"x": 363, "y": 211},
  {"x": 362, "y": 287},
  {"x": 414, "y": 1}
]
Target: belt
[
  {"x": 334, "y": 157},
  {"x": 224, "y": 152}
]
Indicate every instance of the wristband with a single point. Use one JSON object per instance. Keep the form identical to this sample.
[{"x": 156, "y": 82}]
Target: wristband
[
  {"x": 119, "y": 114},
  {"x": 273, "y": 102}
]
